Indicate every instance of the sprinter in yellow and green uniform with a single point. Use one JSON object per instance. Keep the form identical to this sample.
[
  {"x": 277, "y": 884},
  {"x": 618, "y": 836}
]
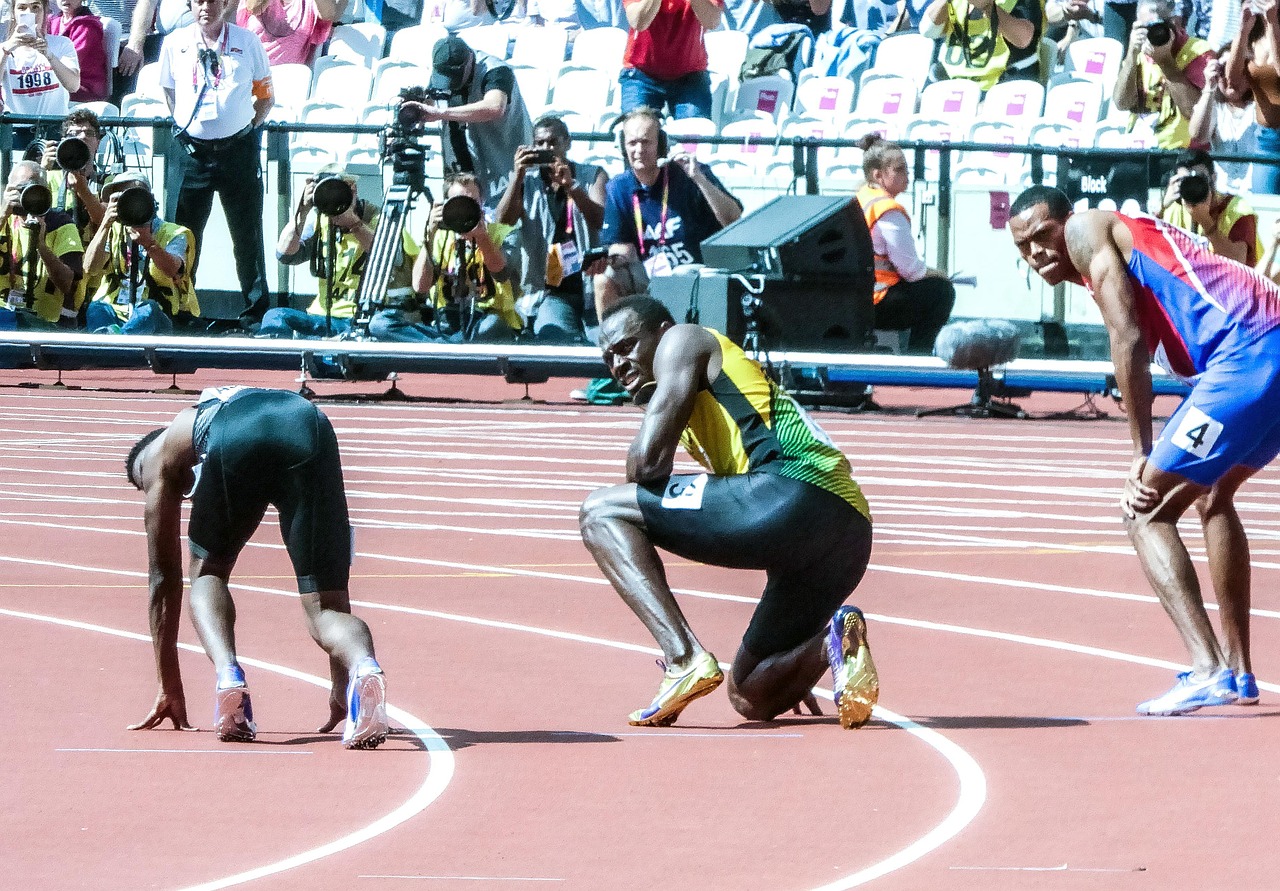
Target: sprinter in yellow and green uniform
[{"x": 777, "y": 496}]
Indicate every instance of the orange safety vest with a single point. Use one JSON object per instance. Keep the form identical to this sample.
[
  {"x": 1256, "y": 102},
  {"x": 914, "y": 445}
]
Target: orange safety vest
[{"x": 876, "y": 202}]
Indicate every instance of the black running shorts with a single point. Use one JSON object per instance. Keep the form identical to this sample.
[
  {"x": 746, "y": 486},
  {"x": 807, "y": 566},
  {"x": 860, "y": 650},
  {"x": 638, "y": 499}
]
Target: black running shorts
[
  {"x": 272, "y": 447},
  {"x": 813, "y": 545}
]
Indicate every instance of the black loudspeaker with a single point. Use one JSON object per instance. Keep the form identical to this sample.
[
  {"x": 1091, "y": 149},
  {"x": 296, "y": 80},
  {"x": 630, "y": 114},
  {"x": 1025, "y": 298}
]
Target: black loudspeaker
[{"x": 816, "y": 256}]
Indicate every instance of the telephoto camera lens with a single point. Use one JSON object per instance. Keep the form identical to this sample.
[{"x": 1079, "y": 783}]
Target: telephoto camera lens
[
  {"x": 35, "y": 199},
  {"x": 135, "y": 207},
  {"x": 332, "y": 195},
  {"x": 73, "y": 153},
  {"x": 460, "y": 214},
  {"x": 1194, "y": 188},
  {"x": 34, "y": 151},
  {"x": 1159, "y": 33}
]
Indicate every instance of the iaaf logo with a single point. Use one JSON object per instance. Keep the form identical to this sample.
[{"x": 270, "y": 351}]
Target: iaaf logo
[
  {"x": 1093, "y": 185},
  {"x": 652, "y": 232}
]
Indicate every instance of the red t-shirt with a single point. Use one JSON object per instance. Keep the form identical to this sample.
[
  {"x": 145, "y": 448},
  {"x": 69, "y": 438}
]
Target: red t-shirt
[{"x": 672, "y": 46}]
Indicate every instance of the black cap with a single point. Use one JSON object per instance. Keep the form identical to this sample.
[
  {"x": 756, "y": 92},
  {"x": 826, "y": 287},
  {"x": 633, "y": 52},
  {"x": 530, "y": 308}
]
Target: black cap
[{"x": 450, "y": 63}]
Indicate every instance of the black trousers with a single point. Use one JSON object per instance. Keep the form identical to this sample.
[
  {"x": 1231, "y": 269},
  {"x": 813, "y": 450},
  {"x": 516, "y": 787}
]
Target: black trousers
[
  {"x": 232, "y": 170},
  {"x": 922, "y": 307}
]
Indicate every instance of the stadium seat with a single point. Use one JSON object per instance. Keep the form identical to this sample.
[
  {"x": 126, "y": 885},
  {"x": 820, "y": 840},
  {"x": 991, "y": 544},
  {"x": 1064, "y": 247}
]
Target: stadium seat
[
  {"x": 390, "y": 76},
  {"x": 540, "y": 46},
  {"x": 1012, "y": 166},
  {"x": 725, "y": 51},
  {"x": 1075, "y": 101},
  {"x": 950, "y": 100},
  {"x": 691, "y": 127},
  {"x": 414, "y": 44},
  {"x": 750, "y": 156},
  {"x": 908, "y": 55},
  {"x": 148, "y": 83},
  {"x": 342, "y": 82},
  {"x": 1016, "y": 100},
  {"x": 930, "y": 130},
  {"x": 492, "y": 39},
  {"x": 362, "y": 43},
  {"x": 317, "y": 146},
  {"x": 1121, "y": 138},
  {"x": 535, "y": 88},
  {"x": 101, "y": 109},
  {"x": 888, "y": 96},
  {"x": 600, "y": 48},
  {"x": 583, "y": 90},
  {"x": 1096, "y": 59},
  {"x": 858, "y": 126},
  {"x": 292, "y": 84},
  {"x": 830, "y": 98},
  {"x": 1054, "y": 134},
  {"x": 110, "y": 43},
  {"x": 767, "y": 95}
]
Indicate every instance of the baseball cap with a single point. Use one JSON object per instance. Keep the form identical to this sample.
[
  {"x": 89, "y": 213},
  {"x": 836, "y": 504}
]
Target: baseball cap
[{"x": 449, "y": 62}]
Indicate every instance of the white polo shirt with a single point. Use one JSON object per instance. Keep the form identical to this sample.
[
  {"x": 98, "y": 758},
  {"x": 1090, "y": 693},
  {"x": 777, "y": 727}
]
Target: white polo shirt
[
  {"x": 30, "y": 85},
  {"x": 226, "y": 98}
]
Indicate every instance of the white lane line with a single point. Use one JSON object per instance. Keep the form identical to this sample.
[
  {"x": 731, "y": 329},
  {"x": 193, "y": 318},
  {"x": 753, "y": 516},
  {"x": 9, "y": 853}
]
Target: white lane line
[
  {"x": 191, "y": 751},
  {"x": 1063, "y": 868},
  {"x": 465, "y": 878},
  {"x": 678, "y": 735},
  {"x": 439, "y": 772}
]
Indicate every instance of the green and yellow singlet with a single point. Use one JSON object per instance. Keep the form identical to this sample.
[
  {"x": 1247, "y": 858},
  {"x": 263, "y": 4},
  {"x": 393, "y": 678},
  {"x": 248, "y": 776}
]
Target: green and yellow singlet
[{"x": 744, "y": 422}]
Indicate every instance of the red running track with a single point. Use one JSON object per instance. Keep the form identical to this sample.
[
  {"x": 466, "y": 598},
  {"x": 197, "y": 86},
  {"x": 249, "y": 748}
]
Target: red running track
[{"x": 1010, "y": 621}]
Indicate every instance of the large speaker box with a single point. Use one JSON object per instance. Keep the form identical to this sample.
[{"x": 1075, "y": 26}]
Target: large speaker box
[{"x": 815, "y": 254}]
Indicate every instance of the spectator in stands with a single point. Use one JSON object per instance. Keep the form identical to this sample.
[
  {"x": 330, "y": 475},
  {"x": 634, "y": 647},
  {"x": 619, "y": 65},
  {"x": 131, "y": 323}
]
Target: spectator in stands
[
  {"x": 217, "y": 82},
  {"x": 1224, "y": 121},
  {"x": 813, "y": 14},
  {"x": 142, "y": 268},
  {"x": 559, "y": 205},
  {"x": 41, "y": 70},
  {"x": 471, "y": 297},
  {"x": 51, "y": 243},
  {"x": 140, "y": 40},
  {"x": 665, "y": 63},
  {"x": 306, "y": 239},
  {"x": 290, "y": 30},
  {"x": 485, "y": 118},
  {"x": 908, "y": 294},
  {"x": 1066, "y": 21},
  {"x": 1162, "y": 74},
  {"x": 77, "y": 23},
  {"x": 76, "y": 191},
  {"x": 978, "y": 37},
  {"x": 1193, "y": 202},
  {"x": 678, "y": 203},
  {"x": 1255, "y": 68}
]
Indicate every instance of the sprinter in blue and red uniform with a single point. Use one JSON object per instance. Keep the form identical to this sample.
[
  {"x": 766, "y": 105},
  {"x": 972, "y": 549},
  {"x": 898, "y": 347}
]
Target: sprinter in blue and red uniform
[{"x": 1215, "y": 323}]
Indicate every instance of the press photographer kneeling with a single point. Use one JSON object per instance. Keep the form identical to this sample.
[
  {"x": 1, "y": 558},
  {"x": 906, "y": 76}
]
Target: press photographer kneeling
[
  {"x": 464, "y": 272},
  {"x": 41, "y": 254},
  {"x": 142, "y": 264},
  {"x": 1192, "y": 202},
  {"x": 335, "y": 241},
  {"x": 72, "y": 168}
]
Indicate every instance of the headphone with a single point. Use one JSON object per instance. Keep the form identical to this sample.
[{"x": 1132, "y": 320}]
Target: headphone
[{"x": 643, "y": 112}]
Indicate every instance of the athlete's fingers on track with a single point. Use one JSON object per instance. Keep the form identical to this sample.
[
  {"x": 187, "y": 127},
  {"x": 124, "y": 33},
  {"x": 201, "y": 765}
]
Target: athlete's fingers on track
[
  {"x": 811, "y": 702},
  {"x": 337, "y": 712}
]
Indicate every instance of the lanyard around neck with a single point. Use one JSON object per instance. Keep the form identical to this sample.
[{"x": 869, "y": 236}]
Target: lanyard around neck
[{"x": 662, "y": 221}]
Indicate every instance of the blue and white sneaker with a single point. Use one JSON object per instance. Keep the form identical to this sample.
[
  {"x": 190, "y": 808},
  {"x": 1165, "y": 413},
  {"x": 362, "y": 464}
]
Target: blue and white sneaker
[
  {"x": 1246, "y": 689},
  {"x": 853, "y": 672},
  {"x": 366, "y": 707},
  {"x": 233, "y": 710},
  {"x": 1187, "y": 695}
]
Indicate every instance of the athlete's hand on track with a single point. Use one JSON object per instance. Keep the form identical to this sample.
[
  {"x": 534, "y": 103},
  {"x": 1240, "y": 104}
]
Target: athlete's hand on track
[
  {"x": 810, "y": 701},
  {"x": 337, "y": 711},
  {"x": 172, "y": 708},
  {"x": 1138, "y": 497}
]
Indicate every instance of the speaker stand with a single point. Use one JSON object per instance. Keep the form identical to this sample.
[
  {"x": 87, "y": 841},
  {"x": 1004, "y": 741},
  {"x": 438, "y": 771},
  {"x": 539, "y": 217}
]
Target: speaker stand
[{"x": 985, "y": 402}]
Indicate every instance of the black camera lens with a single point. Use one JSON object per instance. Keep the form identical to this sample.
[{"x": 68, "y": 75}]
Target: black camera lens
[
  {"x": 34, "y": 151},
  {"x": 73, "y": 153},
  {"x": 1193, "y": 188},
  {"x": 1159, "y": 33},
  {"x": 460, "y": 214},
  {"x": 135, "y": 207},
  {"x": 35, "y": 199},
  {"x": 332, "y": 195}
]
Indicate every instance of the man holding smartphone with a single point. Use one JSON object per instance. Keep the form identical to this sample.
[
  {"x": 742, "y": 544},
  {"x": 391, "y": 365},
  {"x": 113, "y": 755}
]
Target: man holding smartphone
[{"x": 559, "y": 205}]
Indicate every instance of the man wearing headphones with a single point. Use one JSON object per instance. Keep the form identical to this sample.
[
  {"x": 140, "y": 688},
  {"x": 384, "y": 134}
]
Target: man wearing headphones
[
  {"x": 141, "y": 271},
  {"x": 657, "y": 213}
]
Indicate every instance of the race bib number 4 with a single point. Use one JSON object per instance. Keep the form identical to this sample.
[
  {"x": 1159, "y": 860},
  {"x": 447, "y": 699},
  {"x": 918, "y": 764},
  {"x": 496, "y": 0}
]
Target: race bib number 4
[
  {"x": 1196, "y": 433},
  {"x": 684, "y": 492}
]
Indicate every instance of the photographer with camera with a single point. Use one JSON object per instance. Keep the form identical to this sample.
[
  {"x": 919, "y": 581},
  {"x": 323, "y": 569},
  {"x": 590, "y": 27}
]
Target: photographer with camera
[
  {"x": 335, "y": 241},
  {"x": 484, "y": 119},
  {"x": 464, "y": 273},
  {"x": 142, "y": 263},
  {"x": 1192, "y": 202},
  {"x": 984, "y": 40},
  {"x": 1162, "y": 74},
  {"x": 559, "y": 206},
  {"x": 72, "y": 169},
  {"x": 41, "y": 254}
]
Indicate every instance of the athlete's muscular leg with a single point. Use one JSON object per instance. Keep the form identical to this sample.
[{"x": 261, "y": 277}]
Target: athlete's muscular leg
[
  {"x": 1169, "y": 568},
  {"x": 762, "y": 689},
  {"x": 1229, "y": 566},
  {"x": 613, "y": 530},
  {"x": 344, "y": 637},
  {"x": 213, "y": 612}
]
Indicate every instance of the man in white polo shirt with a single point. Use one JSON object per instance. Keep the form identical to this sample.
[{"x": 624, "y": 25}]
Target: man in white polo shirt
[{"x": 217, "y": 81}]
